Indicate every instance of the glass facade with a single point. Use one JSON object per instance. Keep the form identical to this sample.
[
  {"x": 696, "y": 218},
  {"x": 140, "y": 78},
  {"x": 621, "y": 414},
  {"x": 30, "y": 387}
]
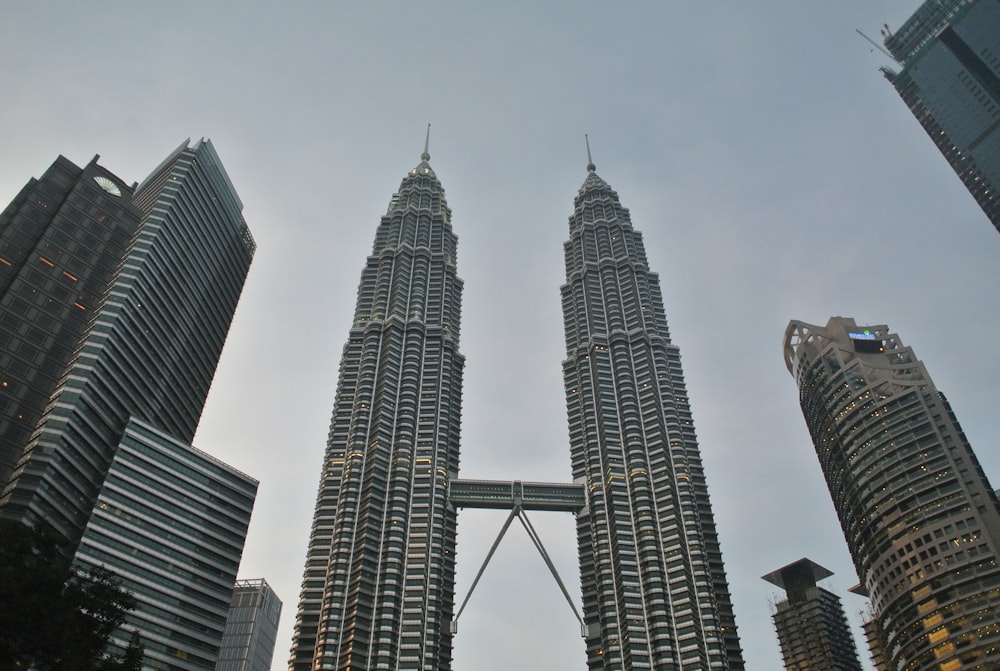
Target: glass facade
[
  {"x": 950, "y": 80},
  {"x": 170, "y": 521},
  {"x": 655, "y": 593},
  {"x": 378, "y": 587},
  {"x": 919, "y": 516}
]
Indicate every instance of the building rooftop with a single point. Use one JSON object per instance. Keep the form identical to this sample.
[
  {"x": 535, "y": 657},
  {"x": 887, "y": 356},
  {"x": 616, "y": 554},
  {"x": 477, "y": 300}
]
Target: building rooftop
[{"x": 797, "y": 569}]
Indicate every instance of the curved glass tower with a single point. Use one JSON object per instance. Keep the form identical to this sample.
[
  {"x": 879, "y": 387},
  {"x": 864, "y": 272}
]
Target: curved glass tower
[
  {"x": 655, "y": 593},
  {"x": 919, "y": 516},
  {"x": 378, "y": 588}
]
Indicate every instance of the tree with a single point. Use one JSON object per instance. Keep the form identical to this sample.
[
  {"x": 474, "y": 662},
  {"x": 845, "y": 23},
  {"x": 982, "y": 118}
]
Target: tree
[{"x": 53, "y": 615}]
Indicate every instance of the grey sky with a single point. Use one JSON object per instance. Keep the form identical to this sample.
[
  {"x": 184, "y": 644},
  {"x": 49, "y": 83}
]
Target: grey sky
[{"x": 773, "y": 172}]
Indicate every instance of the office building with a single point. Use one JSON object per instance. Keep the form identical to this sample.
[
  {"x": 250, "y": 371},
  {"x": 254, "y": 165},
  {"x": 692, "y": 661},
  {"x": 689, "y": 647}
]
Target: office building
[
  {"x": 812, "y": 628},
  {"x": 152, "y": 350},
  {"x": 920, "y": 518},
  {"x": 378, "y": 587},
  {"x": 655, "y": 594},
  {"x": 170, "y": 521},
  {"x": 61, "y": 240},
  {"x": 949, "y": 53},
  {"x": 251, "y": 628},
  {"x": 110, "y": 465}
]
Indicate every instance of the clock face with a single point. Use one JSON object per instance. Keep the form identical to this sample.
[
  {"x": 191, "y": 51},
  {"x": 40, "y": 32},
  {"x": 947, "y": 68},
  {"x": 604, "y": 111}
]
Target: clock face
[{"x": 108, "y": 185}]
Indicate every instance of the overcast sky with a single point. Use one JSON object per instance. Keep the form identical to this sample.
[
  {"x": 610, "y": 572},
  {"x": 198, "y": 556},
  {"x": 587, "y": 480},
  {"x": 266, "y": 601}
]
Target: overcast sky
[{"x": 773, "y": 171}]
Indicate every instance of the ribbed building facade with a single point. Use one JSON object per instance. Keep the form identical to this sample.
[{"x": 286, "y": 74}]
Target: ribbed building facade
[
  {"x": 812, "y": 628},
  {"x": 950, "y": 79},
  {"x": 251, "y": 628},
  {"x": 919, "y": 516},
  {"x": 61, "y": 241},
  {"x": 378, "y": 587},
  {"x": 655, "y": 593}
]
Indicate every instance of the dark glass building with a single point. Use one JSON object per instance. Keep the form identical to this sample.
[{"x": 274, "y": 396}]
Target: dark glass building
[
  {"x": 378, "y": 588},
  {"x": 920, "y": 518},
  {"x": 949, "y": 51},
  {"x": 61, "y": 240},
  {"x": 655, "y": 593},
  {"x": 812, "y": 629},
  {"x": 251, "y": 628}
]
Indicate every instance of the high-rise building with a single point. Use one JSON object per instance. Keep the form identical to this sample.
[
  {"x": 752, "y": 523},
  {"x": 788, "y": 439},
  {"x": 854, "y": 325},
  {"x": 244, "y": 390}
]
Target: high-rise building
[
  {"x": 655, "y": 593},
  {"x": 251, "y": 628},
  {"x": 61, "y": 240},
  {"x": 920, "y": 518},
  {"x": 378, "y": 587},
  {"x": 152, "y": 350},
  {"x": 170, "y": 522},
  {"x": 110, "y": 465},
  {"x": 812, "y": 628},
  {"x": 949, "y": 51}
]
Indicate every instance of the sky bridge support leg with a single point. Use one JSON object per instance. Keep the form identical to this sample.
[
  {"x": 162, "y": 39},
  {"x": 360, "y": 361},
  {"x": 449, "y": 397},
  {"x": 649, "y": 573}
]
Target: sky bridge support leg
[{"x": 519, "y": 512}]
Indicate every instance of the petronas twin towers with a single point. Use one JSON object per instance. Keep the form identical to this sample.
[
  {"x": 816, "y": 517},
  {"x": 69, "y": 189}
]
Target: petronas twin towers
[{"x": 378, "y": 588}]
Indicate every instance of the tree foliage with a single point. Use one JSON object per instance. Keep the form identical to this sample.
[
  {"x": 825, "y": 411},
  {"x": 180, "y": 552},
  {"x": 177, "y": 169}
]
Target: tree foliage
[{"x": 54, "y": 616}]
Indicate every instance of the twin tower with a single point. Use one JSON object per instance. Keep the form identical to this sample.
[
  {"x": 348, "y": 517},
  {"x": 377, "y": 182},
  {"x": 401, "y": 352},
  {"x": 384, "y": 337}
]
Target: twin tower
[{"x": 378, "y": 589}]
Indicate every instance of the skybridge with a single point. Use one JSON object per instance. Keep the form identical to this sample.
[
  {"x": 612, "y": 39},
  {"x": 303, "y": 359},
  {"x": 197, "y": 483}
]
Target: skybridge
[
  {"x": 518, "y": 497},
  {"x": 507, "y": 495}
]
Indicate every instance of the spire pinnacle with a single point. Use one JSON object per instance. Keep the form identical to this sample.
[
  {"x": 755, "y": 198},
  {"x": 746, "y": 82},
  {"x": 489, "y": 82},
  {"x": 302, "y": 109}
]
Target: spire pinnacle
[
  {"x": 590, "y": 163},
  {"x": 427, "y": 143}
]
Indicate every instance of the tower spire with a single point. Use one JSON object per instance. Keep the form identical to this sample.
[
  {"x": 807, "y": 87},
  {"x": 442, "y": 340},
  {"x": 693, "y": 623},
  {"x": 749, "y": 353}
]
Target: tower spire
[
  {"x": 590, "y": 163},
  {"x": 427, "y": 144}
]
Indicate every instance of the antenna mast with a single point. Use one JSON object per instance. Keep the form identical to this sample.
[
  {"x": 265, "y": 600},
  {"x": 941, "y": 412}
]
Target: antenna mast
[{"x": 876, "y": 45}]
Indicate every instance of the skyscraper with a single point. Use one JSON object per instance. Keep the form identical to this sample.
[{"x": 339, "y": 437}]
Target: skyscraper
[
  {"x": 378, "y": 587},
  {"x": 920, "y": 518},
  {"x": 810, "y": 621},
  {"x": 655, "y": 594},
  {"x": 61, "y": 239},
  {"x": 950, "y": 80},
  {"x": 251, "y": 628},
  {"x": 153, "y": 348},
  {"x": 110, "y": 465}
]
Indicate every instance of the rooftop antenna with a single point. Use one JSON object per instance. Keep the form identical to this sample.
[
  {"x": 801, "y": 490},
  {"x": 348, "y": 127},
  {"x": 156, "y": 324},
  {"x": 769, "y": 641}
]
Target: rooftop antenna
[
  {"x": 590, "y": 163},
  {"x": 427, "y": 143},
  {"x": 876, "y": 45}
]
